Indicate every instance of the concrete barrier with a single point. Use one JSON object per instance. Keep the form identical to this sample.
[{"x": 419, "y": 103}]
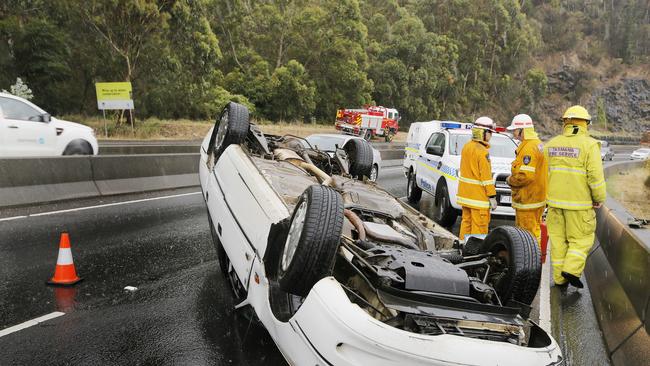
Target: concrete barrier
[
  {"x": 141, "y": 173},
  {"x": 26, "y": 181},
  {"x": 618, "y": 272},
  {"x": 147, "y": 149}
]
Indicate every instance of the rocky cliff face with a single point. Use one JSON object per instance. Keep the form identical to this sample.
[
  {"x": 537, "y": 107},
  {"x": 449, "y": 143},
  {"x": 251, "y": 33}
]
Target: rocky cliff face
[{"x": 626, "y": 103}]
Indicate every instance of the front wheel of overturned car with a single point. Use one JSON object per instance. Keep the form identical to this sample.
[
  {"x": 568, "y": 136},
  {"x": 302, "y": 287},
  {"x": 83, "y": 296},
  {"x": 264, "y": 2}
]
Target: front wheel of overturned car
[
  {"x": 360, "y": 156},
  {"x": 413, "y": 192},
  {"x": 314, "y": 234},
  {"x": 516, "y": 266},
  {"x": 231, "y": 127}
]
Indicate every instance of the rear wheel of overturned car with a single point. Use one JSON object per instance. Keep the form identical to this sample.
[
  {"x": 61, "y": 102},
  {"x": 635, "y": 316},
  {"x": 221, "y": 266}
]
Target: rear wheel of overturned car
[
  {"x": 312, "y": 241},
  {"x": 360, "y": 156},
  {"x": 231, "y": 127},
  {"x": 413, "y": 192},
  {"x": 444, "y": 213},
  {"x": 516, "y": 266}
]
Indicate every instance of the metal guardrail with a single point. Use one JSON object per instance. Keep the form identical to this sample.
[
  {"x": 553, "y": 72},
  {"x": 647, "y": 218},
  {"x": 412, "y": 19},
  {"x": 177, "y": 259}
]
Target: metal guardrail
[{"x": 618, "y": 272}]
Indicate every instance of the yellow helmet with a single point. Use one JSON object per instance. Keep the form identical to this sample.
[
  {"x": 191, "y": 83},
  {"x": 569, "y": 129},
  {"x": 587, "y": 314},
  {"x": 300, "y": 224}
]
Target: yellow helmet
[{"x": 577, "y": 112}]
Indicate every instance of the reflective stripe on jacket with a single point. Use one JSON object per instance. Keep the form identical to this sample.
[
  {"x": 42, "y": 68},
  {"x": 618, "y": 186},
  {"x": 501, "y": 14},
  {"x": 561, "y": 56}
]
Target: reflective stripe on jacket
[
  {"x": 476, "y": 183},
  {"x": 529, "y": 173},
  {"x": 575, "y": 171}
]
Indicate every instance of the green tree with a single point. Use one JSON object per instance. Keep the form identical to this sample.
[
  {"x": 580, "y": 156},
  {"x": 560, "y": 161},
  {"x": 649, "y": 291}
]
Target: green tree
[{"x": 293, "y": 94}]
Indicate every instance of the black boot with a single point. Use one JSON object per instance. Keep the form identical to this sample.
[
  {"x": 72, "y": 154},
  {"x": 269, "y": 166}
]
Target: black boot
[{"x": 573, "y": 280}]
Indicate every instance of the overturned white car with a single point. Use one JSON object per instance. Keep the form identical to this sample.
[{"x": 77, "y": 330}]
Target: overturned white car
[{"x": 342, "y": 273}]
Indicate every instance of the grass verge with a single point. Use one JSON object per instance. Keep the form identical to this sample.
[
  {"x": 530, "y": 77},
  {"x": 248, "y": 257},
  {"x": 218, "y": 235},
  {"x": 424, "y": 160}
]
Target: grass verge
[
  {"x": 183, "y": 129},
  {"x": 632, "y": 190}
]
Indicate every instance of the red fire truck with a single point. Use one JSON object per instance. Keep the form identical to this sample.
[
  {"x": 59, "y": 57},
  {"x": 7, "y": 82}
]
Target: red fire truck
[{"x": 368, "y": 122}]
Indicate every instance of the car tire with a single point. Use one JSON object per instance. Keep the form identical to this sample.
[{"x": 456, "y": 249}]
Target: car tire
[
  {"x": 360, "y": 156},
  {"x": 78, "y": 147},
  {"x": 222, "y": 257},
  {"x": 518, "y": 273},
  {"x": 374, "y": 173},
  {"x": 444, "y": 213},
  {"x": 413, "y": 192},
  {"x": 232, "y": 127},
  {"x": 314, "y": 234}
]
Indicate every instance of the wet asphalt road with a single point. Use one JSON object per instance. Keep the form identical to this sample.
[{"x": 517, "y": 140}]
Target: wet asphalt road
[{"x": 182, "y": 312}]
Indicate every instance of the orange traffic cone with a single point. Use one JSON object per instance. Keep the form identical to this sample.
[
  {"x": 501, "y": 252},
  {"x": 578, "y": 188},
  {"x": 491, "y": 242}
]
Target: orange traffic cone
[{"x": 64, "y": 273}]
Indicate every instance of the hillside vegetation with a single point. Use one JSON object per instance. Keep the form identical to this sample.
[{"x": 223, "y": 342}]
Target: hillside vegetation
[{"x": 303, "y": 59}]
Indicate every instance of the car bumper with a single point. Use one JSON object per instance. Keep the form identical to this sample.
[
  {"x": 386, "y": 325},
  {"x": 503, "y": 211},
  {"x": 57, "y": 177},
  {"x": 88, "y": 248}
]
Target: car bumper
[{"x": 338, "y": 332}]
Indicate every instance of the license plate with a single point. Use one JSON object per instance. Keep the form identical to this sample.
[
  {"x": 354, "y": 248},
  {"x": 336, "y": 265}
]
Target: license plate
[{"x": 506, "y": 199}]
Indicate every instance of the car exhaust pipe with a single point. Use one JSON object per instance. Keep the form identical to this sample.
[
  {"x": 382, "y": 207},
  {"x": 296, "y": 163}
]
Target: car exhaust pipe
[
  {"x": 356, "y": 222},
  {"x": 295, "y": 159}
]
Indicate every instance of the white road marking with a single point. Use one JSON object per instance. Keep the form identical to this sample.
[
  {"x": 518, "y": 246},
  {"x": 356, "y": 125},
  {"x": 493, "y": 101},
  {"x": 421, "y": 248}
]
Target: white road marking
[
  {"x": 13, "y": 218},
  {"x": 545, "y": 293},
  {"x": 30, "y": 323},
  {"x": 99, "y": 206}
]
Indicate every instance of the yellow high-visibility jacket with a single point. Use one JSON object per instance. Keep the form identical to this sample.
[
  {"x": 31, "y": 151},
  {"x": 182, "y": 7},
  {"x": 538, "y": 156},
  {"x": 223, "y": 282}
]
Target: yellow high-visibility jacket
[
  {"x": 475, "y": 184},
  {"x": 575, "y": 171},
  {"x": 529, "y": 174}
]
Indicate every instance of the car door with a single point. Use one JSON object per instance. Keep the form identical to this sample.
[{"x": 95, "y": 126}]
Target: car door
[
  {"x": 24, "y": 132},
  {"x": 431, "y": 161}
]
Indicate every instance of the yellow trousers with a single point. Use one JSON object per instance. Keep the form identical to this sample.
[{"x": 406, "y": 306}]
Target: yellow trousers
[
  {"x": 474, "y": 221},
  {"x": 531, "y": 220},
  {"x": 572, "y": 234}
]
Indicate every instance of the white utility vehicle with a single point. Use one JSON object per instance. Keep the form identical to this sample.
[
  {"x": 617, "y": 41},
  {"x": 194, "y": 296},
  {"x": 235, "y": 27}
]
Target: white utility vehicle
[
  {"x": 329, "y": 141},
  {"x": 342, "y": 273},
  {"x": 432, "y": 163},
  {"x": 27, "y": 130}
]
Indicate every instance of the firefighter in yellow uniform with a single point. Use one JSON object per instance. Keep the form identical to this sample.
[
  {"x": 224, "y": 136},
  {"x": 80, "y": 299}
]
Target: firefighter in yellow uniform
[
  {"x": 528, "y": 178},
  {"x": 476, "y": 192},
  {"x": 576, "y": 186}
]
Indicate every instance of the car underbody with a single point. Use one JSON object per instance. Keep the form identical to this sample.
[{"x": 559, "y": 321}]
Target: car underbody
[{"x": 396, "y": 264}]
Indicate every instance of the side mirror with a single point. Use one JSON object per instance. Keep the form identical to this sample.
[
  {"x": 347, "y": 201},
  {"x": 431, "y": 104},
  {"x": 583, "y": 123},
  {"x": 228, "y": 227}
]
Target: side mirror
[
  {"x": 46, "y": 117},
  {"x": 435, "y": 150}
]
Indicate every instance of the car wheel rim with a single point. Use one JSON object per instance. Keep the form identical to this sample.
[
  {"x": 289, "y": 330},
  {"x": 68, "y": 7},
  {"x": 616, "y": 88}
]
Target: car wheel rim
[
  {"x": 373, "y": 174},
  {"x": 408, "y": 186},
  {"x": 223, "y": 129},
  {"x": 293, "y": 237}
]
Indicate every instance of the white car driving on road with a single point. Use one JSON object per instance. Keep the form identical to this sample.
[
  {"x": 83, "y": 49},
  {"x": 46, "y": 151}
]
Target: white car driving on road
[
  {"x": 27, "y": 130},
  {"x": 432, "y": 164},
  {"x": 329, "y": 141},
  {"x": 640, "y": 154},
  {"x": 340, "y": 272}
]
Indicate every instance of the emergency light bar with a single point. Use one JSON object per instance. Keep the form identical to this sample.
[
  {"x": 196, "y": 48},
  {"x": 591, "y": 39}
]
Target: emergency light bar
[{"x": 452, "y": 125}]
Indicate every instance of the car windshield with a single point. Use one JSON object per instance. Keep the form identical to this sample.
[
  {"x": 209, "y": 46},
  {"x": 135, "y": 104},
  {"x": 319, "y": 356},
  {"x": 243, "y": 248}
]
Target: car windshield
[
  {"x": 643, "y": 151},
  {"x": 326, "y": 143},
  {"x": 500, "y": 146}
]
